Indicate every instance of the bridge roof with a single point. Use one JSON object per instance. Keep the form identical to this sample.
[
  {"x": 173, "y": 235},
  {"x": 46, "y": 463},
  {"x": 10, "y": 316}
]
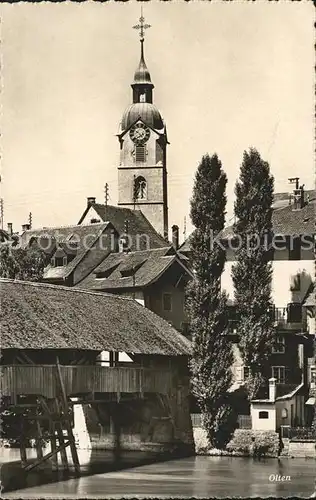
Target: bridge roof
[{"x": 42, "y": 316}]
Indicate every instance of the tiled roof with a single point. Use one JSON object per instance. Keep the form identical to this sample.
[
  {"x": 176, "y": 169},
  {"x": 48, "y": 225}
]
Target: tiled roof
[
  {"x": 84, "y": 235},
  {"x": 65, "y": 233},
  {"x": 40, "y": 316},
  {"x": 138, "y": 225},
  {"x": 148, "y": 266},
  {"x": 288, "y": 221},
  {"x": 285, "y": 220},
  {"x": 4, "y": 235}
]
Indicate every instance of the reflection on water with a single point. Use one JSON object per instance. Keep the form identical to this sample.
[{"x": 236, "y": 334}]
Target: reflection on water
[
  {"x": 13, "y": 454},
  {"x": 91, "y": 462},
  {"x": 188, "y": 477}
]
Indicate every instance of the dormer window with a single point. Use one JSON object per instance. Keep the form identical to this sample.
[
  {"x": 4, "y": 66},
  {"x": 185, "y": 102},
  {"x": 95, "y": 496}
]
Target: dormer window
[
  {"x": 130, "y": 268},
  {"x": 59, "y": 261},
  {"x": 105, "y": 273},
  {"x": 124, "y": 244}
]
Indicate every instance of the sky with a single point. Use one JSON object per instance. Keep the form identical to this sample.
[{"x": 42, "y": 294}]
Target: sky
[{"x": 227, "y": 76}]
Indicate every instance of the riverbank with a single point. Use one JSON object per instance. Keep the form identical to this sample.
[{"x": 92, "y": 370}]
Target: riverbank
[
  {"x": 247, "y": 443},
  {"x": 242, "y": 444}
]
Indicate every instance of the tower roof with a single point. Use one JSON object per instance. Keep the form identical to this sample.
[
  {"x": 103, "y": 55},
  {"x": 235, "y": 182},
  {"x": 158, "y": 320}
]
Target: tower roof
[
  {"x": 145, "y": 111},
  {"x": 142, "y": 75}
]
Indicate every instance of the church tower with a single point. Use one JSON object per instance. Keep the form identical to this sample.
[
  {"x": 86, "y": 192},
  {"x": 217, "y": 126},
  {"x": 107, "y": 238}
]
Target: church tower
[{"x": 142, "y": 172}]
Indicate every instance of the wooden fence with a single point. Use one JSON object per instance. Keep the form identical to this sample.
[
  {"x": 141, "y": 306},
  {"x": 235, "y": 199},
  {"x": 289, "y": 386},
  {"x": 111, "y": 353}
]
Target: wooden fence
[{"x": 41, "y": 379}]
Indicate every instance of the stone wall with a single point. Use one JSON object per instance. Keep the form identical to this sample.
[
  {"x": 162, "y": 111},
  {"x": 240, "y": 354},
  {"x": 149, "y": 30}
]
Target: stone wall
[
  {"x": 156, "y": 423},
  {"x": 302, "y": 449}
]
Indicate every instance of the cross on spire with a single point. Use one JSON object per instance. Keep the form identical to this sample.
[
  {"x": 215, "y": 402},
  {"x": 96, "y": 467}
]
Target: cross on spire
[{"x": 141, "y": 26}]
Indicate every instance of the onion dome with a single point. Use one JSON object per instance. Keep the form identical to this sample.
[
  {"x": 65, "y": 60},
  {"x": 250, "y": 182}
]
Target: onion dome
[{"x": 145, "y": 111}]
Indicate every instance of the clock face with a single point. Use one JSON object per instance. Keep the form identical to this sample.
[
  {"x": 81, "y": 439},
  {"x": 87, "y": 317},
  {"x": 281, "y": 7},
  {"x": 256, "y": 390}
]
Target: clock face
[{"x": 139, "y": 133}]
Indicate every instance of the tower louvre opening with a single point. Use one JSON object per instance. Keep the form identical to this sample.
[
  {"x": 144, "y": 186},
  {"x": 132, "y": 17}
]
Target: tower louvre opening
[{"x": 140, "y": 154}]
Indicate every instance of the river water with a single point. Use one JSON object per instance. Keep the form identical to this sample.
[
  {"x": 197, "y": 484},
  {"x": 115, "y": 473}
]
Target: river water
[{"x": 188, "y": 477}]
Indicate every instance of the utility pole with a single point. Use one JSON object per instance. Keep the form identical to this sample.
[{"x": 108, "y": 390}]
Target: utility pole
[
  {"x": 134, "y": 191},
  {"x": 106, "y": 194},
  {"x": 185, "y": 228},
  {"x": 1, "y": 212}
]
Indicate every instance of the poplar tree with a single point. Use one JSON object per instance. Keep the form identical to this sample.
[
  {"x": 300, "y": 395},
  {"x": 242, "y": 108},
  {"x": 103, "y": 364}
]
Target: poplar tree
[
  {"x": 252, "y": 273},
  {"x": 211, "y": 361}
]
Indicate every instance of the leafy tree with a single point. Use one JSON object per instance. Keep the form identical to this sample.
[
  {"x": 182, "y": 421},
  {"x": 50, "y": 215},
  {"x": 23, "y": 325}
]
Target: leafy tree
[
  {"x": 252, "y": 273},
  {"x": 21, "y": 263},
  {"x": 206, "y": 304}
]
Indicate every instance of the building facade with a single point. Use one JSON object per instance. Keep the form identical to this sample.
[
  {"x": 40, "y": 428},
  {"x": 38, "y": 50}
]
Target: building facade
[
  {"x": 142, "y": 171},
  {"x": 292, "y": 361}
]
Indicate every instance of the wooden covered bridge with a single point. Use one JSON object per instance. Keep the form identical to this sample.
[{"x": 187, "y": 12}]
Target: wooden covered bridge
[{"x": 63, "y": 347}]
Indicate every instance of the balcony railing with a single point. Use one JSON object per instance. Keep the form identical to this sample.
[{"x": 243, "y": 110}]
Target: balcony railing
[
  {"x": 289, "y": 318},
  {"x": 41, "y": 380}
]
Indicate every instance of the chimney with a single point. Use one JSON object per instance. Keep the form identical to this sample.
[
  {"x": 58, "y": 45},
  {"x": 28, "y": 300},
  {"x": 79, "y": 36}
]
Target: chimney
[
  {"x": 298, "y": 195},
  {"x": 175, "y": 236},
  {"x": 26, "y": 227},
  {"x": 272, "y": 389},
  {"x": 90, "y": 200},
  {"x": 302, "y": 198},
  {"x": 10, "y": 228}
]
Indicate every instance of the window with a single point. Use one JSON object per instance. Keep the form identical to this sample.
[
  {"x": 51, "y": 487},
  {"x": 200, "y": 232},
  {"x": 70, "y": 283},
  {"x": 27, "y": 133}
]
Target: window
[
  {"x": 263, "y": 414},
  {"x": 185, "y": 328},
  {"x": 140, "y": 154},
  {"x": 124, "y": 243},
  {"x": 59, "y": 261},
  {"x": 279, "y": 345},
  {"x": 313, "y": 374},
  {"x": 278, "y": 372},
  {"x": 130, "y": 268},
  {"x": 140, "y": 188},
  {"x": 167, "y": 302},
  {"x": 294, "y": 312},
  {"x": 246, "y": 372}
]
